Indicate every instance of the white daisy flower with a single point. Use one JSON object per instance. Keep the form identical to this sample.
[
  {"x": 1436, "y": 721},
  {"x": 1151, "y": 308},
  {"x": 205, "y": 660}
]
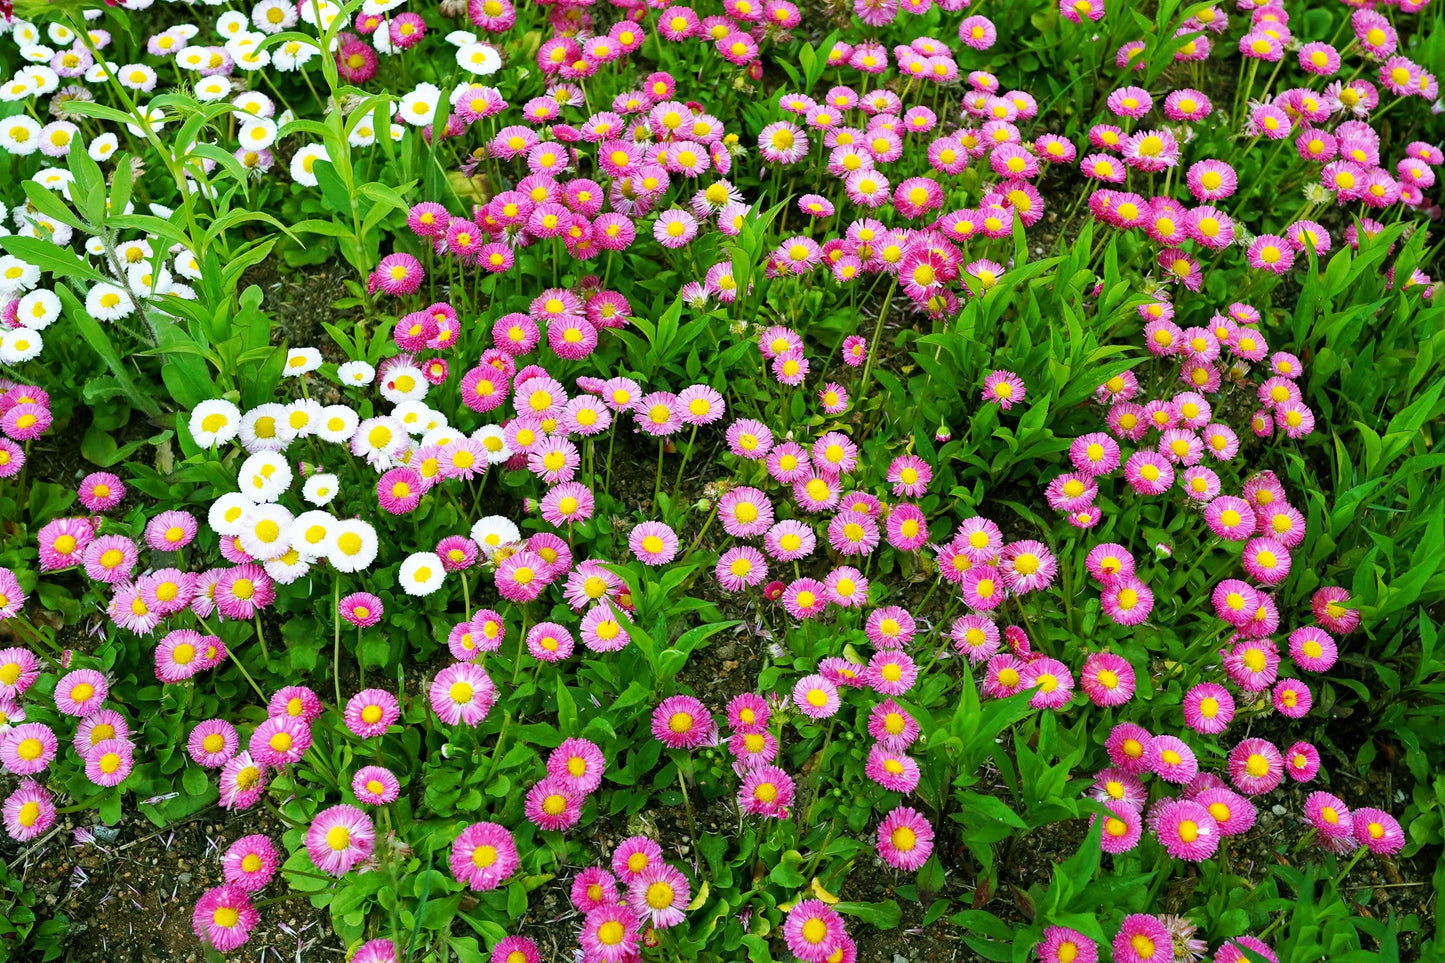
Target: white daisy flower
[
  {"x": 303, "y": 416},
  {"x": 300, "y": 361},
  {"x": 421, "y": 573},
  {"x": 38, "y": 310},
  {"x": 213, "y": 422},
  {"x": 303, "y": 163},
  {"x": 353, "y": 545},
  {"x": 337, "y": 424},
  {"x": 106, "y": 302},
  {"x": 264, "y": 428},
  {"x": 494, "y": 440},
  {"x": 265, "y": 476},
  {"x": 320, "y": 489},
  {"x": 226, "y": 513},
  {"x": 20, "y": 344},
  {"x": 311, "y": 531},
  {"x": 494, "y": 531},
  {"x": 265, "y": 531}
]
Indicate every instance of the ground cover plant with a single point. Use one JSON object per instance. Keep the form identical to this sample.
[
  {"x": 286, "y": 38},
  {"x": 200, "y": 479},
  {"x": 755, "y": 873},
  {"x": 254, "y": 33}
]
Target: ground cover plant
[{"x": 908, "y": 479}]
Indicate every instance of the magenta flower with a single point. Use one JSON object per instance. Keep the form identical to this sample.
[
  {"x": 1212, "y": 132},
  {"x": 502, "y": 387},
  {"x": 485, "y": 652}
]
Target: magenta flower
[
  {"x": 462, "y": 694},
  {"x": 224, "y": 917},
  {"x": 905, "y": 839},
  {"x": 1004, "y": 388},
  {"x": 483, "y": 856},
  {"x": 279, "y": 741},
  {"x": 1128, "y": 747},
  {"x": 29, "y": 811},
  {"x": 1328, "y": 815},
  {"x": 370, "y": 712},
  {"x": 893, "y": 771},
  {"x": 339, "y": 838},
  {"x": 1187, "y": 830},
  {"x": 1375, "y": 829},
  {"x": 1232, "y": 813},
  {"x": 1051, "y": 680},
  {"x": 610, "y": 934},
  {"x": 593, "y": 888},
  {"x": 250, "y": 862},
  {"x": 682, "y": 722},
  {"x": 578, "y": 764},
  {"x": 1255, "y": 766},
  {"x": 813, "y": 930},
  {"x": 398, "y": 274},
  {"x": 552, "y": 806},
  {"x": 1208, "y": 708},
  {"x": 375, "y": 785},
  {"x": 1063, "y": 945},
  {"x": 1122, "y": 829},
  {"x": 816, "y": 697},
  {"x": 1143, "y": 939},
  {"x": 361, "y": 609}
]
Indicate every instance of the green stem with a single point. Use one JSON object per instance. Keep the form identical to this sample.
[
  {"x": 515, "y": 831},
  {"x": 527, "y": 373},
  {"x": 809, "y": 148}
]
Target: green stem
[
  {"x": 336, "y": 639},
  {"x": 261, "y": 638},
  {"x": 687, "y": 805},
  {"x": 877, "y": 333},
  {"x": 677, "y": 482}
]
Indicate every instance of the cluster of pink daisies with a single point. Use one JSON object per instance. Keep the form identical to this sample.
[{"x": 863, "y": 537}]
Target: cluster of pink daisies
[
  {"x": 24, "y": 416},
  {"x": 642, "y": 149},
  {"x": 1145, "y": 938},
  {"x": 224, "y": 915},
  {"x": 927, "y": 259},
  {"x": 143, "y": 599},
  {"x": 101, "y": 738}
]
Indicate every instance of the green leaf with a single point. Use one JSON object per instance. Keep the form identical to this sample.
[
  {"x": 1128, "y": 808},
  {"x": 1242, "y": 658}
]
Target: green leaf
[
  {"x": 884, "y": 915},
  {"x": 100, "y": 343}
]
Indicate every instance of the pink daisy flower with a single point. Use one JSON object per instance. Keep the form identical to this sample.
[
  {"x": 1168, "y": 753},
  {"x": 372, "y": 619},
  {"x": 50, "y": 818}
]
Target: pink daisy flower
[
  {"x": 552, "y": 806},
  {"x": 893, "y": 771},
  {"x": 338, "y": 838},
  {"x": 610, "y": 934},
  {"x": 1292, "y": 698},
  {"x": 766, "y": 790},
  {"x": 659, "y": 894},
  {"x": 1063, "y": 945},
  {"x": 905, "y": 839},
  {"x": 593, "y": 888},
  {"x": 1376, "y": 830},
  {"x": 250, "y": 862},
  {"x": 1122, "y": 829},
  {"x": 483, "y": 856},
  {"x": 29, "y": 811},
  {"x": 1187, "y": 830},
  {"x": 682, "y": 722},
  {"x": 1004, "y": 388},
  {"x": 1255, "y": 766},
  {"x": 462, "y": 694},
  {"x": 1143, "y": 939},
  {"x": 816, "y": 697},
  {"x": 1328, "y": 815},
  {"x": 892, "y": 726},
  {"x": 224, "y": 917},
  {"x": 101, "y": 491},
  {"x": 813, "y": 930},
  {"x": 633, "y": 856},
  {"x": 375, "y": 785},
  {"x": 1128, "y": 747},
  {"x": 1107, "y": 679}
]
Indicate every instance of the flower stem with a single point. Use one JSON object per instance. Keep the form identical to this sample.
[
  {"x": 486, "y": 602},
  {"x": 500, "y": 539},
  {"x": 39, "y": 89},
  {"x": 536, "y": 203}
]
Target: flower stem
[
  {"x": 261, "y": 638},
  {"x": 336, "y": 640}
]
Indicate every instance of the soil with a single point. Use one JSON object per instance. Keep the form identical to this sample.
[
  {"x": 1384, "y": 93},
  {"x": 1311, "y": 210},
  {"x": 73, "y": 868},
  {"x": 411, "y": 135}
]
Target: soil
[{"x": 128, "y": 891}]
